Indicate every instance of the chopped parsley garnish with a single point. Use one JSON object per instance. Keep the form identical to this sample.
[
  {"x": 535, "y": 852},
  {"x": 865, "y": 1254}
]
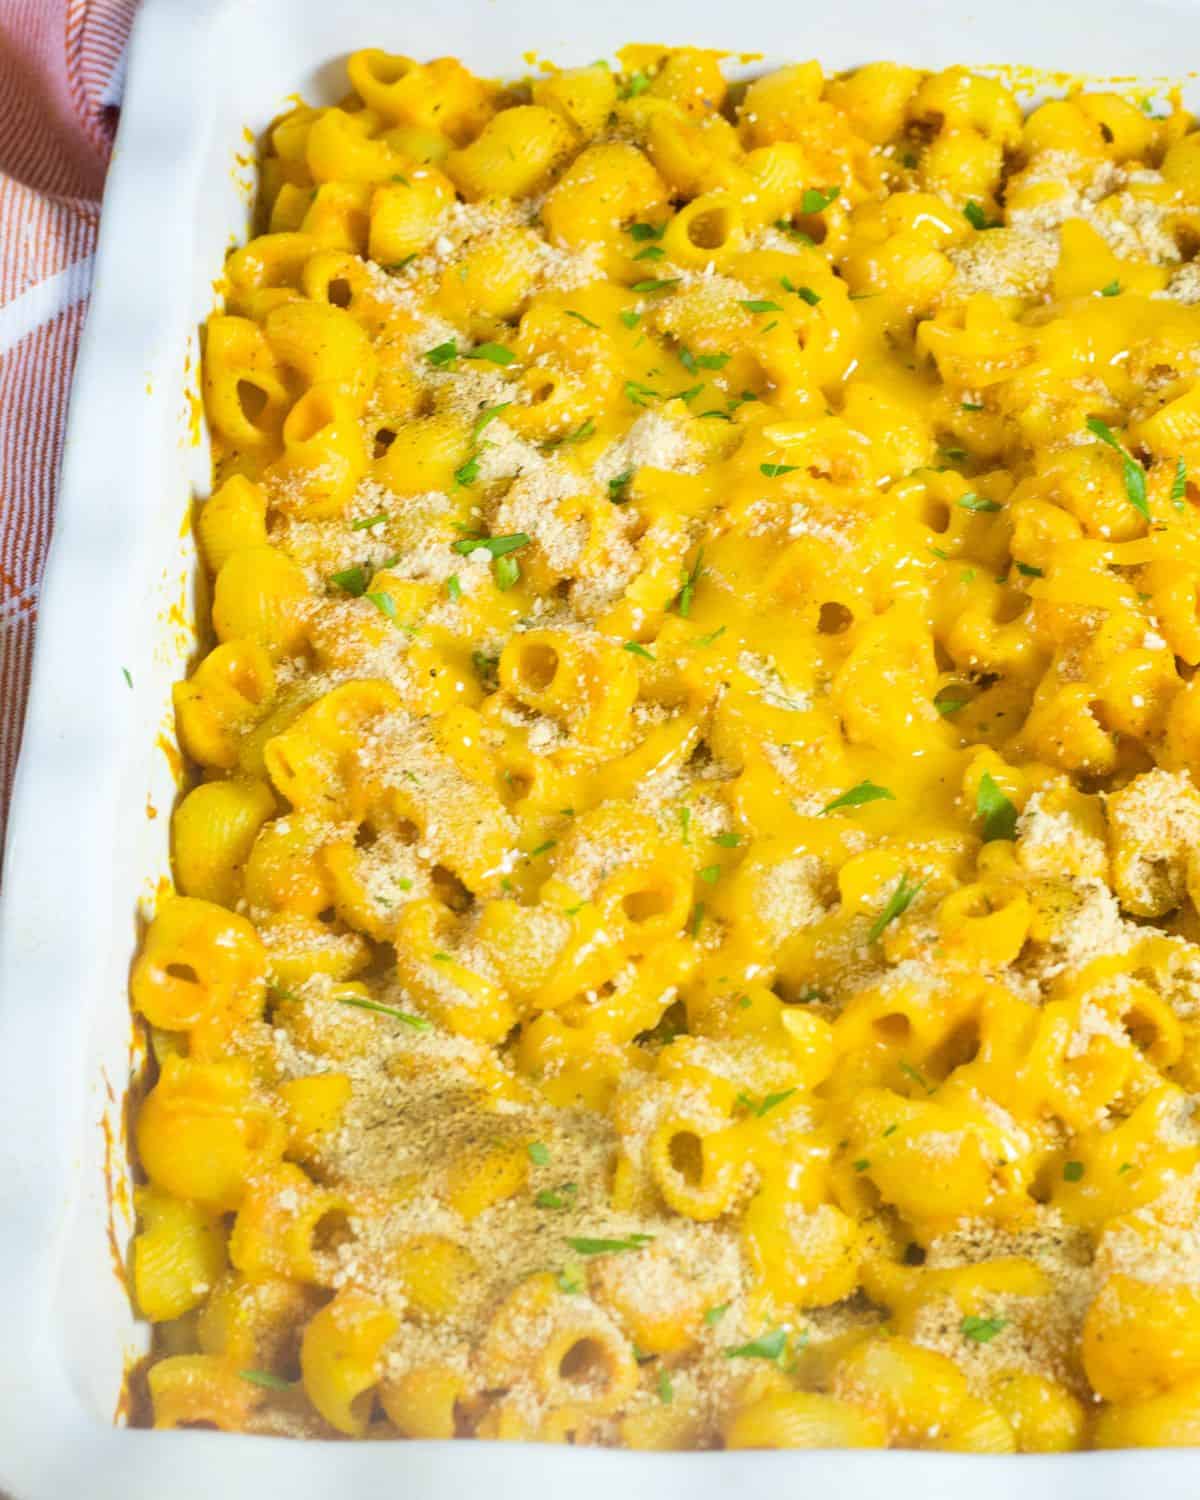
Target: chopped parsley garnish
[
  {"x": 727, "y": 840},
  {"x": 453, "y": 587},
  {"x": 571, "y": 313},
  {"x": 542, "y": 849},
  {"x": 638, "y": 83},
  {"x": 713, "y": 635},
  {"x": 978, "y": 503},
  {"x": 770, "y": 1345},
  {"x": 487, "y": 416},
  {"x": 1135, "y": 475},
  {"x": 618, "y": 486},
  {"x": 691, "y": 577},
  {"x": 442, "y": 355},
  {"x": 418, "y": 1023},
  {"x": 1113, "y": 289},
  {"x": 981, "y": 1330},
  {"x": 861, "y": 1164},
  {"x": 468, "y": 472},
  {"x": 267, "y": 1380},
  {"x": 685, "y": 825},
  {"x": 816, "y": 200},
  {"x": 773, "y": 471},
  {"x": 656, "y": 284},
  {"x": 539, "y": 1153},
  {"x": 651, "y": 252},
  {"x": 559, "y": 1197},
  {"x": 630, "y": 317},
  {"x": 976, "y": 216},
  {"x": 365, "y": 525},
  {"x": 917, "y": 1076},
  {"x": 714, "y": 1314},
  {"x": 570, "y": 1280},
  {"x": 971, "y": 405},
  {"x": 127, "y": 677},
  {"x": 351, "y": 581},
  {"x": 1027, "y": 570},
  {"x": 806, "y": 293},
  {"x": 711, "y": 874},
  {"x": 496, "y": 354},
  {"x": 636, "y": 392},
  {"x": 765, "y": 1105},
  {"x": 1072, "y": 1171},
  {"x": 946, "y": 703},
  {"x": 498, "y": 546},
  {"x": 761, "y": 305},
  {"x": 642, "y": 232},
  {"x": 666, "y": 1391},
  {"x": 1179, "y": 484},
  {"x": 384, "y": 603},
  {"x": 858, "y": 796},
  {"x": 998, "y": 813},
  {"x": 897, "y": 904},
  {"x": 585, "y": 1245},
  {"x": 697, "y": 920},
  {"x": 635, "y": 648},
  {"x": 399, "y": 265}
]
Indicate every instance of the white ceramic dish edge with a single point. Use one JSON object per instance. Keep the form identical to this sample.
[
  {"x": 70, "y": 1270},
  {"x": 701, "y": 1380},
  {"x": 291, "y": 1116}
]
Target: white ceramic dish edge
[{"x": 81, "y": 852}]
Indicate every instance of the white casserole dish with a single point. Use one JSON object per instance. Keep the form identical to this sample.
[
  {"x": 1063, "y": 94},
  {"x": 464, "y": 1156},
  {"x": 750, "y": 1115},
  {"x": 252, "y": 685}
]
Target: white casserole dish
[{"x": 122, "y": 592}]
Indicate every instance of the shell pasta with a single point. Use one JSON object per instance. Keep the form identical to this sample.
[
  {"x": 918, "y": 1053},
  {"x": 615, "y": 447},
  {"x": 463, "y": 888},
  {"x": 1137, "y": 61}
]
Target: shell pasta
[{"x": 684, "y": 928}]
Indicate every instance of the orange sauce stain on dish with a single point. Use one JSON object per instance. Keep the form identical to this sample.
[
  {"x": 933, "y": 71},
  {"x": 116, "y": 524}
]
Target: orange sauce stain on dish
[{"x": 171, "y": 751}]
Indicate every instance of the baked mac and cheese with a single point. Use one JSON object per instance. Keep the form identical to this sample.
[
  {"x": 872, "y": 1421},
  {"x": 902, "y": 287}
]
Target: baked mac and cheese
[{"x": 685, "y": 927}]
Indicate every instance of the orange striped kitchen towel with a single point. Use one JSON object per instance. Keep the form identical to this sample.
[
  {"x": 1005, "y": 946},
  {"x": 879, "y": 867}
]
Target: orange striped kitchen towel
[{"x": 61, "y": 69}]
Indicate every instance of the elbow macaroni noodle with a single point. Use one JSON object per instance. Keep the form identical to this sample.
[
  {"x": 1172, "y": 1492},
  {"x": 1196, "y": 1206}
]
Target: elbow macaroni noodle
[{"x": 685, "y": 928}]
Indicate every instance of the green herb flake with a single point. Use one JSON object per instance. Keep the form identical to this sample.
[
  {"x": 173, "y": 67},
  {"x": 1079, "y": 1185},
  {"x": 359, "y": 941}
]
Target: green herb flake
[
  {"x": 1179, "y": 485},
  {"x": 1113, "y": 289},
  {"x": 981, "y": 1330},
  {"x": 126, "y": 675},
  {"x": 760, "y": 305},
  {"x": 691, "y": 577},
  {"x": 418, "y": 1023},
  {"x": 442, "y": 355},
  {"x": 713, "y": 635},
  {"x": 651, "y": 252},
  {"x": 580, "y": 317},
  {"x": 685, "y": 825},
  {"x": 617, "y": 487},
  {"x": 805, "y": 293},
  {"x": 267, "y": 1380},
  {"x": 1134, "y": 474},
  {"x": 643, "y": 232},
  {"x": 770, "y": 1345},
  {"x": 495, "y": 354},
  {"x": 384, "y": 603},
  {"x": 917, "y": 1076},
  {"x": 498, "y": 546},
  {"x": 638, "y": 83},
  {"x": 773, "y": 471},
  {"x": 859, "y": 796},
  {"x": 714, "y": 1314},
  {"x": 998, "y": 813},
  {"x": 559, "y": 1197},
  {"x": 656, "y": 284},
  {"x": 635, "y": 648},
  {"x": 542, "y": 849},
  {"x": 861, "y": 1164},
  {"x": 467, "y": 473},
  {"x": 585, "y": 1245},
  {"x": 666, "y": 1391},
  {"x": 351, "y": 581},
  {"x": 453, "y": 587},
  {"x": 816, "y": 200},
  {"x": 365, "y": 525},
  {"x": 486, "y": 417},
  {"x": 976, "y": 216},
  {"x": 1072, "y": 1171},
  {"x": 971, "y": 405},
  {"x": 897, "y": 904},
  {"x": 727, "y": 840},
  {"x": 636, "y": 392},
  {"x": 1027, "y": 570},
  {"x": 978, "y": 503},
  {"x": 539, "y": 1153},
  {"x": 711, "y": 874},
  {"x": 570, "y": 1280},
  {"x": 630, "y": 317},
  {"x": 697, "y": 920}
]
